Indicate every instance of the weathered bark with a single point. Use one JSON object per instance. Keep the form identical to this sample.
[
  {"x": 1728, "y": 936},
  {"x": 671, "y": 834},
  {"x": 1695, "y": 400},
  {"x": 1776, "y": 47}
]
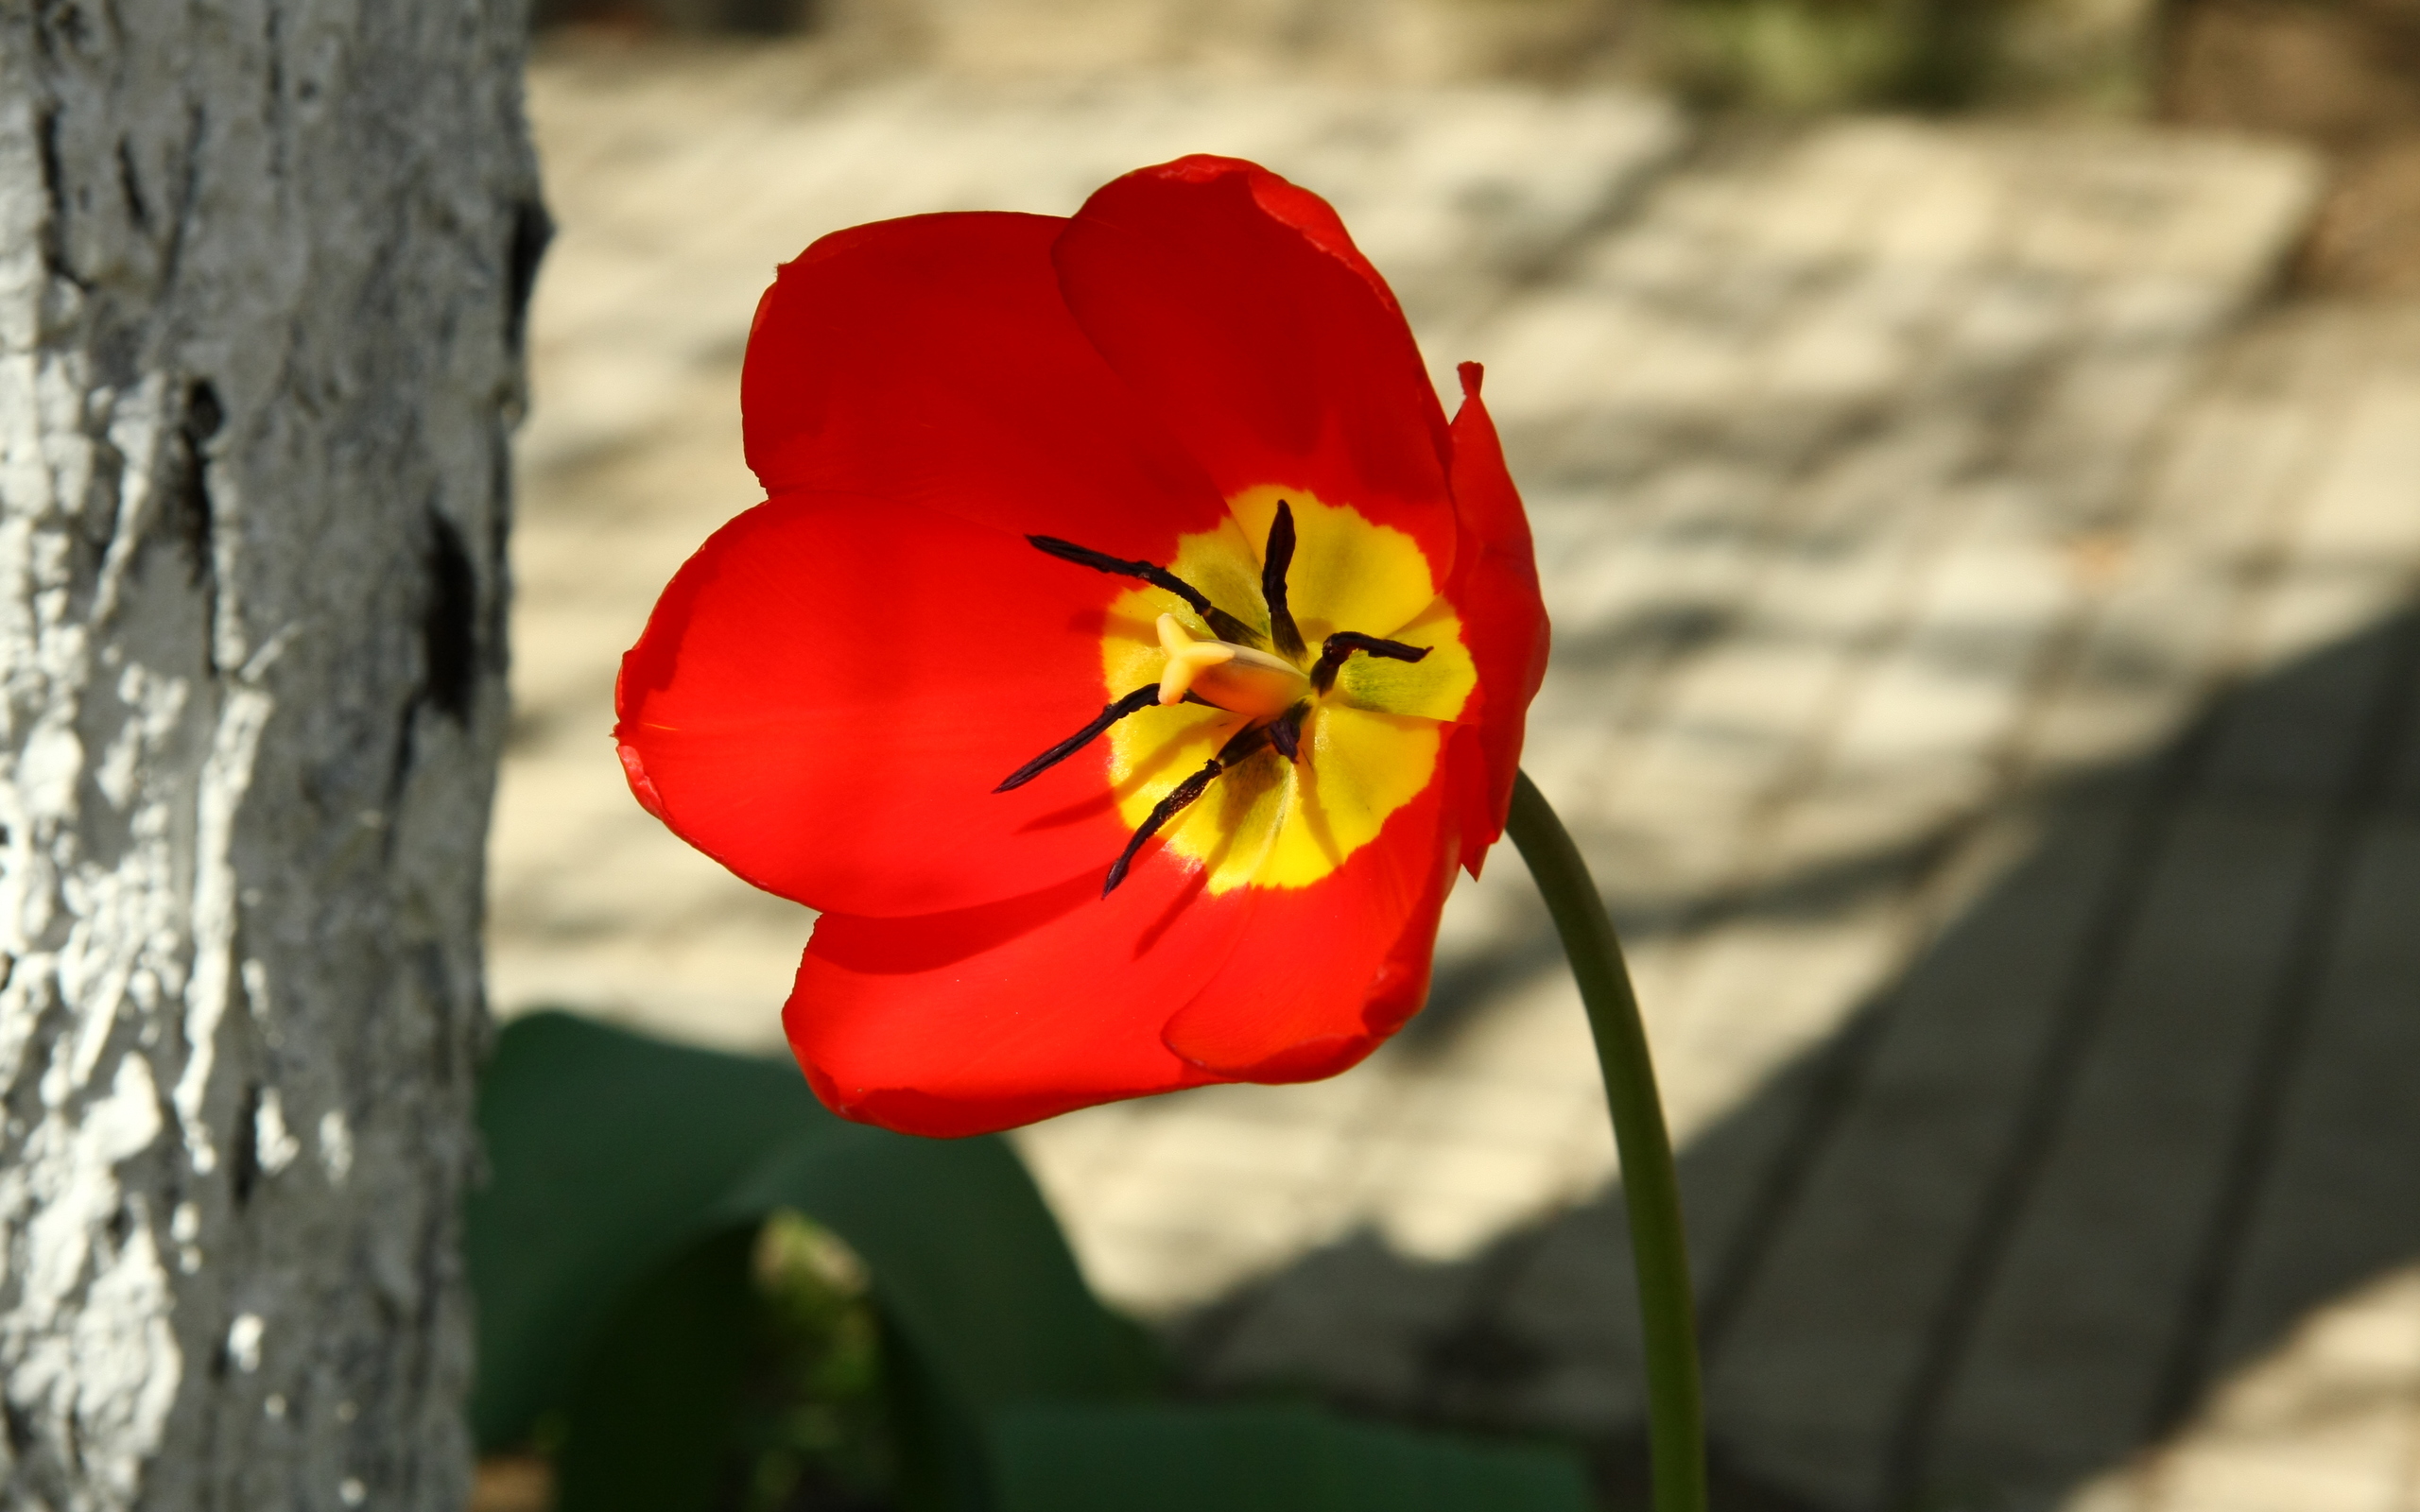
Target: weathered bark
[{"x": 262, "y": 267}]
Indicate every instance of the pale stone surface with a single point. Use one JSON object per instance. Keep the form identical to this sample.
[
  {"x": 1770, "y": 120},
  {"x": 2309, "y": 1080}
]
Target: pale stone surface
[
  {"x": 1425, "y": 42},
  {"x": 2327, "y": 1421},
  {"x": 1897, "y": 487}
]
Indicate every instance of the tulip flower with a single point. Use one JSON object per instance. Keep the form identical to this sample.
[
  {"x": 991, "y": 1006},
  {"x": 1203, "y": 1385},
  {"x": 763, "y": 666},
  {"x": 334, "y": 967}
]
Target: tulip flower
[
  {"x": 1126, "y": 656},
  {"x": 1128, "y": 651}
]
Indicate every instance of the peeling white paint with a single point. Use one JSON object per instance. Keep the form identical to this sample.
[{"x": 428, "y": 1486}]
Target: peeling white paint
[
  {"x": 225, "y": 778},
  {"x": 336, "y": 1147},
  {"x": 244, "y": 1341},
  {"x": 276, "y": 1146}
]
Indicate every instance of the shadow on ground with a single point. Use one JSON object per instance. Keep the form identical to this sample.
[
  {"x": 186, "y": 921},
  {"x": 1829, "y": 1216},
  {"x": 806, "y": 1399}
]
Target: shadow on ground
[{"x": 2122, "y": 1128}]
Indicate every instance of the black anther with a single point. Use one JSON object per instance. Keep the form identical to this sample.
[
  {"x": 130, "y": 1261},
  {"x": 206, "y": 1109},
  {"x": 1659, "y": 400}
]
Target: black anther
[
  {"x": 1273, "y": 562},
  {"x": 1246, "y": 741},
  {"x": 1224, "y": 625},
  {"x": 1142, "y": 697},
  {"x": 1286, "y": 730},
  {"x": 1344, "y": 643}
]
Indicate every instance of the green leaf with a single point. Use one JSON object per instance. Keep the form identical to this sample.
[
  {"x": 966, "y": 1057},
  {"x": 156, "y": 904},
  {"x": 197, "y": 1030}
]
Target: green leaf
[
  {"x": 609, "y": 1253},
  {"x": 1117, "y": 1457},
  {"x": 611, "y": 1155},
  {"x": 652, "y": 1415}
]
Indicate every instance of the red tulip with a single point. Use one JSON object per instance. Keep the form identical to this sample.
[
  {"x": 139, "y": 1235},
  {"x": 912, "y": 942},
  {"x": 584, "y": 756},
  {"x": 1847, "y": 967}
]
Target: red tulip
[{"x": 1127, "y": 654}]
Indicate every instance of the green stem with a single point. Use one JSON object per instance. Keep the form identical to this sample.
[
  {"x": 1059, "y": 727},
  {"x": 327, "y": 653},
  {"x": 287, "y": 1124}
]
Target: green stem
[{"x": 1668, "y": 1315}]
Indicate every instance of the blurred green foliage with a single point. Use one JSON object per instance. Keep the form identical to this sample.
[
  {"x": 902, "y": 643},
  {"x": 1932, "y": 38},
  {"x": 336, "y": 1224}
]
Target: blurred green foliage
[
  {"x": 747, "y": 1375},
  {"x": 1118, "y": 1457},
  {"x": 815, "y": 1428},
  {"x": 699, "y": 1292},
  {"x": 1925, "y": 55}
]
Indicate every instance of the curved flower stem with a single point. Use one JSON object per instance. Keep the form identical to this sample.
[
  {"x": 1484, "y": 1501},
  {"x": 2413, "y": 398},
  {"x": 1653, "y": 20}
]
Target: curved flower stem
[{"x": 1668, "y": 1315}]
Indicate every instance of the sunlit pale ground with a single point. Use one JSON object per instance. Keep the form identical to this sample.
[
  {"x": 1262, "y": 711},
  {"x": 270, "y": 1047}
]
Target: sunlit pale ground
[{"x": 1981, "y": 686}]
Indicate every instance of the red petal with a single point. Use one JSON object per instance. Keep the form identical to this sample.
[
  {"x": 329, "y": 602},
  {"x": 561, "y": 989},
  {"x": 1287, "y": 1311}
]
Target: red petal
[
  {"x": 1504, "y": 621},
  {"x": 830, "y": 688},
  {"x": 971, "y": 1021},
  {"x": 1232, "y": 302},
  {"x": 982, "y": 1019},
  {"x": 932, "y": 360},
  {"x": 1322, "y": 975}
]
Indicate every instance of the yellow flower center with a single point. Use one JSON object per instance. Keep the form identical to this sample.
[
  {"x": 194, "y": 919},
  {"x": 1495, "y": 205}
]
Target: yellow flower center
[{"x": 1326, "y": 673}]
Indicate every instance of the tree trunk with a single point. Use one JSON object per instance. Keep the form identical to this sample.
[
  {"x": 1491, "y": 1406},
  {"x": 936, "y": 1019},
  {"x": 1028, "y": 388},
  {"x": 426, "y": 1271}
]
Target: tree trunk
[{"x": 262, "y": 269}]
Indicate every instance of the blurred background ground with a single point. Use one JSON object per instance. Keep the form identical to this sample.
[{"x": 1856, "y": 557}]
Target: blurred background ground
[{"x": 1975, "y": 455}]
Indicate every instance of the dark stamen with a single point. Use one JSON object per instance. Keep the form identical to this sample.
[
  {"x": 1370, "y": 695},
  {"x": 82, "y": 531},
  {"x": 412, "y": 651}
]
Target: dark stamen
[
  {"x": 1273, "y": 563},
  {"x": 1224, "y": 625},
  {"x": 1286, "y": 731},
  {"x": 1142, "y": 697},
  {"x": 1344, "y": 643},
  {"x": 1245, "y": 743}
]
